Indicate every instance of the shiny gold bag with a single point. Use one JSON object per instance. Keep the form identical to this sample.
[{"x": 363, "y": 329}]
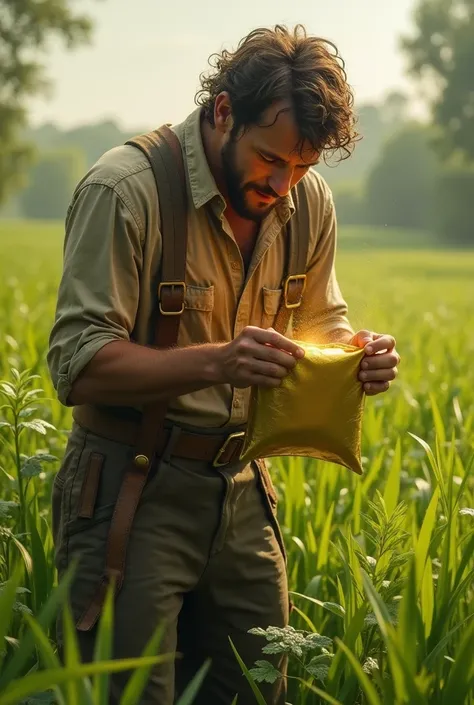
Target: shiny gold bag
[{"x": 315, "y": 412}]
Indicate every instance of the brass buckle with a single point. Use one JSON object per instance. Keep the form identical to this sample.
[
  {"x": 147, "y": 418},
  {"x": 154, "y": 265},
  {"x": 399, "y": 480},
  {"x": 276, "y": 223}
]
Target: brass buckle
[
  {"x": 172, "y": 285},
  {"x": 231, "y": 437},
  {"x": 294, "y": 278}
]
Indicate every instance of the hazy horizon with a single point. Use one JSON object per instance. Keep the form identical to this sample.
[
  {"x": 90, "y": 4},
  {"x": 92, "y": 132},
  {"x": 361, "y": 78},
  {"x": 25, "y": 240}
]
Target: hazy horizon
[{"x": 148, "y": 73}]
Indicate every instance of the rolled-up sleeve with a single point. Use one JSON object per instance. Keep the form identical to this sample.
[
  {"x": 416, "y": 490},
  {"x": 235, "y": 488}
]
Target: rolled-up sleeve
[
  {"x": 322, "y": 316},
  {"x": 99, "y": 288}
]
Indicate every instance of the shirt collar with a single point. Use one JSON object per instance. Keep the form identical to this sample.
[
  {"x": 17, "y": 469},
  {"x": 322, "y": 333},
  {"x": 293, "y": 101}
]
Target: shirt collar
[{"x": 202, "y": 183}]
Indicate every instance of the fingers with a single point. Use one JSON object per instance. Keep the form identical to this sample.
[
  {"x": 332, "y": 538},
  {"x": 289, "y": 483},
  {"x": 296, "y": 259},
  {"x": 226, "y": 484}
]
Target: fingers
[
  {"x": 380, "y": 343},
  {"x": 276, "y": 340},
  {"x": 385, "y": 375},
  {"x": 378, "y": 362},
  {"x": 268, "y": 369},
  {"x": 273, "y": 355},
  {"x": 373, "y": 388}
]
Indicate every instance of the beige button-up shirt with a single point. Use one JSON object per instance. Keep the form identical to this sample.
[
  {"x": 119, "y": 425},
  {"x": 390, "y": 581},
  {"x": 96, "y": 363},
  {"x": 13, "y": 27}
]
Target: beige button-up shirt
[{"x": 112, "y": 253}]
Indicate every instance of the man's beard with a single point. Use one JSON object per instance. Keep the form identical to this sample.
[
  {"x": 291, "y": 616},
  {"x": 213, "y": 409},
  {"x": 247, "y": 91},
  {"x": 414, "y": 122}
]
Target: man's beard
[{"x": 236, "y": 192}]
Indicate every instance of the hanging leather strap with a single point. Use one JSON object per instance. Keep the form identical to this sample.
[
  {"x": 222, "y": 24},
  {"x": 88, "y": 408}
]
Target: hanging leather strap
[
  {"x": 297, "y": 242},
  {"x": 163, "y": 150}
]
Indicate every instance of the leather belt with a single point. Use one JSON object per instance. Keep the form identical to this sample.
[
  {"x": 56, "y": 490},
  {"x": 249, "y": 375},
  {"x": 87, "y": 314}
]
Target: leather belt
[{"x": 220, "y": 449}]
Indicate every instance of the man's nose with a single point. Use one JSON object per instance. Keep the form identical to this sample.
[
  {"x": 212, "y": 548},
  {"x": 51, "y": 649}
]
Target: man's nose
[{"x": 280, "y": 181}]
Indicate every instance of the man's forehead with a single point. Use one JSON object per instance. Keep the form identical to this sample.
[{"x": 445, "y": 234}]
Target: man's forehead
[{"x": 277, "y": 132}]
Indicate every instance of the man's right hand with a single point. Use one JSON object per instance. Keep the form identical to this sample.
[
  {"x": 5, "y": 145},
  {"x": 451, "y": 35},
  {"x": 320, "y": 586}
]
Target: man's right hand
[{"x": 257, "y": 357}]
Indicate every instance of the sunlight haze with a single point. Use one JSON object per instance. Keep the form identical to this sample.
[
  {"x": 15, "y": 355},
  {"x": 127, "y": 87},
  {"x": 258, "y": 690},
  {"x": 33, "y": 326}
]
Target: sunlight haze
[{"x": 142, "y": 67}]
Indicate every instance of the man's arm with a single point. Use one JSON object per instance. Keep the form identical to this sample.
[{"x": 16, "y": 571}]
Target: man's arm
[
  {"x": 322, "y": 316},
  {"x": 91, "y": 356}
]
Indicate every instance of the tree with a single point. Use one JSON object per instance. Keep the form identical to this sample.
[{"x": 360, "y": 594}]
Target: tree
[
  {"x": 51, "y": 184},
  {"x": 400, "y": 188},
  {"x": 25, "y": 28},
  {"x": 441, "y": 56}
]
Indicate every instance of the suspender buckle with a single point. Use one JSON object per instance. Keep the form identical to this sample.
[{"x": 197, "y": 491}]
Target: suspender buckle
[
  {"x": 175, "y": 296},
  {"x": 294, "y": 290}
]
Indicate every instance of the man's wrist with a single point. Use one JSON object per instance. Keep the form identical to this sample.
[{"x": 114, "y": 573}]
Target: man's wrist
[{"x": 213, "y": 364}]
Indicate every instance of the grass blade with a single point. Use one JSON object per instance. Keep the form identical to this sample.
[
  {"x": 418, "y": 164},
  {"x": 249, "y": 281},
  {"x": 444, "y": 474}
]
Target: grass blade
[
  {"x": 37, "y": 682},
  {"x": 392, "y": 488},
  {"x": 193, "y": 687},
  {"x": 138, "y": 680},
  {"x": 255, "y": 689},
  {"x": 424, "y": 538},
  {"x": 461, "y": 678},
  {"x": 48, "y": 613},
  {"x": 103, "y": 645},
  {"x": 366, "y": 685}
]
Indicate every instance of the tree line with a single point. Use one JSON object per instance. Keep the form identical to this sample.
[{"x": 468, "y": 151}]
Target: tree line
[{"x": 402, "y": 173}]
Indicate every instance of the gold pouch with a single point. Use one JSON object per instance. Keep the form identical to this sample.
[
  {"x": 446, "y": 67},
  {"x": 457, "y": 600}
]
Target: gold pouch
[{"x": 316, "y": 411}]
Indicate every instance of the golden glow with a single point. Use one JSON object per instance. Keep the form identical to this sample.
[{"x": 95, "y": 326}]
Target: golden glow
[{"x": 315, "y": 412}]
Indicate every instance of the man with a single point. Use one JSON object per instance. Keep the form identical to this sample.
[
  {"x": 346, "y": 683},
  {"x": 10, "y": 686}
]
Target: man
[{"x": 204, "y": 550}]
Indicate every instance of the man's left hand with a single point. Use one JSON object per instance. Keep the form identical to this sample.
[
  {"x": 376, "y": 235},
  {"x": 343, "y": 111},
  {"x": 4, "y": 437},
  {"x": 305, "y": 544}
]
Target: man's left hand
[{"x": 379, "y": 365}]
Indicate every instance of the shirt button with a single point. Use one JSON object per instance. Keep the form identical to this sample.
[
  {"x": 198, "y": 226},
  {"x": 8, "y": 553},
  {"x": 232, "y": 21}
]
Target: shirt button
[{"x": 235, "y": 265}]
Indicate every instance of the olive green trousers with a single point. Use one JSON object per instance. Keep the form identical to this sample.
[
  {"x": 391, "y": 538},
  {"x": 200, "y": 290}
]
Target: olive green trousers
[{"x": 205, "y": 557}]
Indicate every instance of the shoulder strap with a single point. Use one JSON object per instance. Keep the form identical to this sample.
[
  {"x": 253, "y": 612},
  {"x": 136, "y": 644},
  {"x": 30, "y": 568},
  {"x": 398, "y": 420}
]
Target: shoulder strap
[
  {"x": 163, "y": 150},
  {"x": 297, "y": 242}
]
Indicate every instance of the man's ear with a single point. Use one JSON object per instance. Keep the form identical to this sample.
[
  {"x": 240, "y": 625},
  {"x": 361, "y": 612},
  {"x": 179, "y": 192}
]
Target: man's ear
[{"x": 223, "y": 118}]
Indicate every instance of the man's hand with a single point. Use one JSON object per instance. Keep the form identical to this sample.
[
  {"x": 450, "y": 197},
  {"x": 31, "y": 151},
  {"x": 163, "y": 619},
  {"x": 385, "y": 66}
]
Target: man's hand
[
  {"x": 379, "y": 366},
  {"x": 257, "y": 357}
]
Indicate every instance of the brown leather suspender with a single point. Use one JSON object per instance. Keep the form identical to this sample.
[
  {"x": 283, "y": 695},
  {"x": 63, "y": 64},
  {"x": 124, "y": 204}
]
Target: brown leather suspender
[
  {"x": 297, "y": 242},
  {"x": 163, "y": 150}
]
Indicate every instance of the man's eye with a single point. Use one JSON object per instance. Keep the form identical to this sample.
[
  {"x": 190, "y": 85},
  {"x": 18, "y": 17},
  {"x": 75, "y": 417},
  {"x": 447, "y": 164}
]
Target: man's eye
[{"x": 269, "y": 160}]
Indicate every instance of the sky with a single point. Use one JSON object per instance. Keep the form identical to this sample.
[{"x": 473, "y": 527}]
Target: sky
[{"x": 143, "y": 64}]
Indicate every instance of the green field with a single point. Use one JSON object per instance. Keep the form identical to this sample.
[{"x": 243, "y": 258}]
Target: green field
[{"x": 386, "y": 560}]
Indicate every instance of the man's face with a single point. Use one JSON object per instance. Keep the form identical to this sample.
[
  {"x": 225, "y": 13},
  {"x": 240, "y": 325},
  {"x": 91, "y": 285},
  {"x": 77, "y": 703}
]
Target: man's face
[{"x": 262, "y": 166}]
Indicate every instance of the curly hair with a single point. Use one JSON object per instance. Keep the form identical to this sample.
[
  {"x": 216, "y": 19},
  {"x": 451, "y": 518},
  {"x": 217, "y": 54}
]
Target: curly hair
[{"x": 270, "y": 65}]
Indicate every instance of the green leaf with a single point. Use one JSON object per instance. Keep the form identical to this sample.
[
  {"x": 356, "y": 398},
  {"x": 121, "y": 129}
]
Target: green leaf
[
  {"x": 424, "y": 538},
  {"x": 193, "y": 687},
  {"x": 441, "y": 645},
  {"x": 265, "y": 672},
  {"x": 408, "y": 634},
  {"x": 138, "y": 680},
  {"x": 333, "y": 607},
  {"x": 40, "y": 565},
  {"x": 32, "y": 468},
  {"x": 461, "y": 677},
  {"x": 427, "y": 598},
  {"x": 365, "y": 683},
  {"x": 7, "y": 389},
  {"x": 7, "y": 600},
  {"x": 323, "y": 548},
  {"x": 322, "y": 694},
  {"x": 45, "y": 647},
  {"x": 27, "y": 685},
  {"x": 392, "y": 488},
  {"x": 255, "y": 689},
  {"x": 318, "y": 670},
  {"x": 103, "y": 645},
  {"x": 48, "y": 613},
  {"x": 350, "y": 639},
  {"x": 6, "y": 507},
  {"x": 38, "y": 425}
]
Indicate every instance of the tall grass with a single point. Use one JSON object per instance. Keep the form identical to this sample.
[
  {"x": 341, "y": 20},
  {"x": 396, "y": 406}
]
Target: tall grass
[{"x": 380, "y": 567}]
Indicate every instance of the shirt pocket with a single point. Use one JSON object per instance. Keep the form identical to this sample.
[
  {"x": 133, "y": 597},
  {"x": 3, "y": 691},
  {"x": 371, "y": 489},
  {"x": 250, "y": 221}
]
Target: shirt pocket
[
  {"x": 271, "y": 304},
  {"x": 196, "y": 324}
]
